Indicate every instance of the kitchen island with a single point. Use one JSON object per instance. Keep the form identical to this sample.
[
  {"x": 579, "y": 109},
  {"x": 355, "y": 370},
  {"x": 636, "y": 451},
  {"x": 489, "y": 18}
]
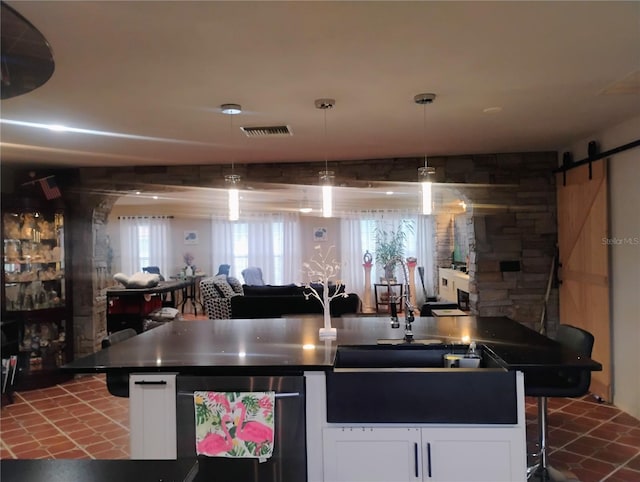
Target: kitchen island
[{"x": 427, "y": 442}]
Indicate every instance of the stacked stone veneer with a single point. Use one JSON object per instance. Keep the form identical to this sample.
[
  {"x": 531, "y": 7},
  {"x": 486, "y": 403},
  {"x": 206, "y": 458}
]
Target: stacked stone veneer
[{"x": 511, "y": 201}]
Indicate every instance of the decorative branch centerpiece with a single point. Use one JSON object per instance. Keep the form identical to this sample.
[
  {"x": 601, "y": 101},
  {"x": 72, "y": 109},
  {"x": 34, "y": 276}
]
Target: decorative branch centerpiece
[{"x": 321, "y": 269}]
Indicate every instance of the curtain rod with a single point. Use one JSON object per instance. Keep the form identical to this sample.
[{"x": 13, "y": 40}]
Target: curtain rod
[{"x": 597, "y": 157}]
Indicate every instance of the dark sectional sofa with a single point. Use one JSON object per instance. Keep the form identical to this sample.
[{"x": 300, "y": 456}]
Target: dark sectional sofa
[{"x": 222, "y": 301}]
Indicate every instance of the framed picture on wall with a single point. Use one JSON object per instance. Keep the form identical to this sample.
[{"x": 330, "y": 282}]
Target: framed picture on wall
[
  {"x": 191, "y": 237},
  {"x": 320, "y": 234}
]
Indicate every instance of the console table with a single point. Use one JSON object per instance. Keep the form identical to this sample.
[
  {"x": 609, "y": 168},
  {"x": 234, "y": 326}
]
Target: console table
[
  {"x": 393, "y": 290},
  {"x": 127, "y": 307}
]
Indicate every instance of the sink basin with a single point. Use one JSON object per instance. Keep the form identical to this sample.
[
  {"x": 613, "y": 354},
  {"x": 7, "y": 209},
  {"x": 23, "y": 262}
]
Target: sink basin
[
  {"x": 407, "y": 355},
  {"x": 408, "y": 383}
]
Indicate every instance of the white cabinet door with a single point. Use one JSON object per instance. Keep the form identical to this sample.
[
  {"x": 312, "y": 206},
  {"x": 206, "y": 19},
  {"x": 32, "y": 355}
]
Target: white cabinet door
[
  {"x": 152, "y": 415},
  {"x": 473, "y": 454},
  {"x": 372, "y": 454}
]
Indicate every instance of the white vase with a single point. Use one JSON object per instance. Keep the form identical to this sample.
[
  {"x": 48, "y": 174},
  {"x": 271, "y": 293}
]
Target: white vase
[{"x": 188, "y": 271}]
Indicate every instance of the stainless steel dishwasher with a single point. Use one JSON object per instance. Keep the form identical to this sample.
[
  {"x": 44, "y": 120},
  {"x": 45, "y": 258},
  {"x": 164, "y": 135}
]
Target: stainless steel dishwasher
[{"x": 289, "y": 460}]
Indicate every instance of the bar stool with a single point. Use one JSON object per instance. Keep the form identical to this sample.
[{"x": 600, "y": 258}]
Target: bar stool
[{"x": 563, "y": 383}]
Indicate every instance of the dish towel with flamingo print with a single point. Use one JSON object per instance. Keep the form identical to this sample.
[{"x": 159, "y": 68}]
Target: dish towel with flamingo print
[{"x": 234, "y": 424}]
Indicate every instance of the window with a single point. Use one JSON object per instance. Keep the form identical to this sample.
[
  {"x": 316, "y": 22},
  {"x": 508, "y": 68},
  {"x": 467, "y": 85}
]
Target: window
[
  {"x": 261, "y": 241},
  {"x": 358, "y": 235},
  {"x": 145, "y": 241}
]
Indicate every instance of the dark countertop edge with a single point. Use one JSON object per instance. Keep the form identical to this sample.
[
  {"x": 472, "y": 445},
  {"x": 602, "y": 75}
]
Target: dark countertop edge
[{"x": 272, "y": 370}]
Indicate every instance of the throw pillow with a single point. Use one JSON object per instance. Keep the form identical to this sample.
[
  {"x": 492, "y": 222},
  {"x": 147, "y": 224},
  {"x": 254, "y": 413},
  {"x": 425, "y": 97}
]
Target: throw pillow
[
  {"x": 223, "y": 287},
  {"x": 235, "y": 284}
]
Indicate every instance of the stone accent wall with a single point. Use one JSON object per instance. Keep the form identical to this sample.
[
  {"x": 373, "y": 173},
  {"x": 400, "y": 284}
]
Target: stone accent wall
[{"x": 511, "y": 215}]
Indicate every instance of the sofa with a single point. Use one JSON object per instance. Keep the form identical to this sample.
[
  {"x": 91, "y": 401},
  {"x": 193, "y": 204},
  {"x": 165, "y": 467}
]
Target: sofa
[{"x": 225, "y": 298}]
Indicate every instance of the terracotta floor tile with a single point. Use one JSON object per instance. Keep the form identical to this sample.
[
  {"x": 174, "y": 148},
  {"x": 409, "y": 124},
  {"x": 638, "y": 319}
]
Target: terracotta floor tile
[
  {"x": 583, "y": 446},
  {"x": 635, "y": 463},
  {"x": 626, "y": 439},
  {"x": 564, "y": 457},
  {"x": 616, "y": 452},
  {"x": 44, "y": 432},
  {"x": 586, "y": 475},
  {"x": 626, "y": 419},
  {"x": 624, "y": 475},
  {"x": 99, "y": 447},
  {"x": 111, "y": 454},
  {"x": 66, "y": 446},
  {"x": 74, "y": 453},
  {"x": 598, "y": 466},
  {"x": 31, "y": 453}
]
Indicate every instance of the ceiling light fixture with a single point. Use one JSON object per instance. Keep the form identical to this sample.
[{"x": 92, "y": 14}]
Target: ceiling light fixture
[
  {"x": 326, "y": 177},
  {"x": 426, "y": 174},
  {"x": 233, "y": 179},
  {"x": 305, "y": 207}
]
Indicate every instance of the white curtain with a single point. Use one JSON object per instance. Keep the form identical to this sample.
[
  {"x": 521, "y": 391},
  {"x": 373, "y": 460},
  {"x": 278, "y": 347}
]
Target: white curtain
[
  {"x": 352, "y": 247},
  {"x": 145, "y": 241},
  {"x": 268, "y": 241}
]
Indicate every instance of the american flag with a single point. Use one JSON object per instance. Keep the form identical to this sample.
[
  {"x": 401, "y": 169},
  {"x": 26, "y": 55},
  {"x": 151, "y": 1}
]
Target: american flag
[{"x": 50, "y": 188}]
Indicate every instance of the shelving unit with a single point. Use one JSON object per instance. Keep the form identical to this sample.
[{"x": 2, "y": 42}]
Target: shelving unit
[{"x": 35, "y": 291}]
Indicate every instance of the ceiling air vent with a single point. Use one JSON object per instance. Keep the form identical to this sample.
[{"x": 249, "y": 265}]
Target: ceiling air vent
[{"x": 268, "y": 131}]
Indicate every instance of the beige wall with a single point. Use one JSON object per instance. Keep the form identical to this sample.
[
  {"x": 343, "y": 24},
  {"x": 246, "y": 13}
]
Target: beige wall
[{"x": 624, "y": 179}]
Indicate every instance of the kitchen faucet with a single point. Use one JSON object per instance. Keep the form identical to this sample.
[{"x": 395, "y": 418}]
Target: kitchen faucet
[{"x": 409, "y": 308}]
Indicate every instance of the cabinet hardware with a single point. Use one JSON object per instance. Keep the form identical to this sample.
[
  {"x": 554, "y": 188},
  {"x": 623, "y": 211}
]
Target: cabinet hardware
[
  {"x": 145, "y": 382},
  {"x": 415, "y": 459},
  {"x": 429, "y": 459}
]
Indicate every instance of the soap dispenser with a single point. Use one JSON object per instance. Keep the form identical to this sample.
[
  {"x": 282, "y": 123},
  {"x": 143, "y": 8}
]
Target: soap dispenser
[{"x": 471, "y": 358}]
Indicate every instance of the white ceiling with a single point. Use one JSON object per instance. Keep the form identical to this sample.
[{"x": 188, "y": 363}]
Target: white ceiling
[{"x": 146, "y": 79}]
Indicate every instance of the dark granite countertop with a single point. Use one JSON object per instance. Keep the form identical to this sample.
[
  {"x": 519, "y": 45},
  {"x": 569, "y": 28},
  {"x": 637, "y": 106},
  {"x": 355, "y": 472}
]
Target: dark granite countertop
[
  {"x": 23, "y": 470},
  {"x": 291, "y": 344}
]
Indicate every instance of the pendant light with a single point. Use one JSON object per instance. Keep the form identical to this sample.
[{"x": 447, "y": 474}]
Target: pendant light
[
  {"x": 426, "y": 174},
  {"x": 232, "y": 180},
  {"x": 305, "y": 207},
  {"x": 326, "y": 177}
]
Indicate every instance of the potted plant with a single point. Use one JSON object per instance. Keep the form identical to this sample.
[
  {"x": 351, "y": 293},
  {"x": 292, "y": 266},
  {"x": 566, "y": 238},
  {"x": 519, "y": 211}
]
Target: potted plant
[{"x": 390, "y": 244}]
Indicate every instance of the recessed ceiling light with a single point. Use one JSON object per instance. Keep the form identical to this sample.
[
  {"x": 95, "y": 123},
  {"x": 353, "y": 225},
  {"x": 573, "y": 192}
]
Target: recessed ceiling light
[
  {"x": 231, "y": 109},
  {"x": 155, "y": 197},
  {"x": 305, "y": 210},
  {"x": 492, "y": 110},
  {"x": 138, "y": 193},
  {"x": 389, "y": 193}
]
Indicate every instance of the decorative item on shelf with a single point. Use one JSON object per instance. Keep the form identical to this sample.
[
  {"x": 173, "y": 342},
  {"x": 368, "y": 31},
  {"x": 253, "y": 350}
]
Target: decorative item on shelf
[
  {"x": 321, "y": 269},
  {"x": 390, "y": 244},
  {"x": 367, "y": 263}
]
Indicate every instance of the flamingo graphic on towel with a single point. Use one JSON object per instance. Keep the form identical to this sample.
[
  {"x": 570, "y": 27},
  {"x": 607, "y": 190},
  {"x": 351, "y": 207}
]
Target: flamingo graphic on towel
[{"x": 234, "y": 424}]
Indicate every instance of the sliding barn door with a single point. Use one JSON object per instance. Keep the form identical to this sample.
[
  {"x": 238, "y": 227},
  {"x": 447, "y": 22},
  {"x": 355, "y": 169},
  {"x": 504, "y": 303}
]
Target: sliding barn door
[{"x": 583, "y": 228}]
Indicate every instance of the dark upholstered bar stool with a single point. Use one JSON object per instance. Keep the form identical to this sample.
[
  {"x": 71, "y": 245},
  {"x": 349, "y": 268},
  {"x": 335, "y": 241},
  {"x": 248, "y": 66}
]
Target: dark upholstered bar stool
[{"x": 562, "y": 383}]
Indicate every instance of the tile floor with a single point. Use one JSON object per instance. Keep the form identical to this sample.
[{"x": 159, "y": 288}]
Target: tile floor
[{"x": 79, "y": 419}]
